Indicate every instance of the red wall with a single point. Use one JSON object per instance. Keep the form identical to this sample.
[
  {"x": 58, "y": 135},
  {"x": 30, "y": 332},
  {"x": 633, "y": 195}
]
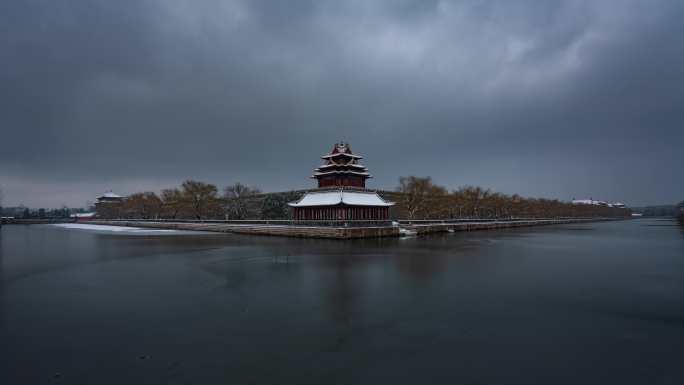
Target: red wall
[
  {"x": 351, "y": 181},
  {"x": 341, "y": 213}
]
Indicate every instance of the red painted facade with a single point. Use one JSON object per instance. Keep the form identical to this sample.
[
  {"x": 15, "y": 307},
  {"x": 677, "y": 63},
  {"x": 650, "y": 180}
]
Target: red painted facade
[
  {"x": 342, "y": 181},
  {"x": 341, "y": 212}
]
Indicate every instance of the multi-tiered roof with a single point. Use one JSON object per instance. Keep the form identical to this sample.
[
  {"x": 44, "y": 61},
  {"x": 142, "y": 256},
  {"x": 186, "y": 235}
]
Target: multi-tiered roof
[
  {"x": 109, "y": 197},
  {"x": 341, "y": 168},
  {"x": 341, "y": 195}
]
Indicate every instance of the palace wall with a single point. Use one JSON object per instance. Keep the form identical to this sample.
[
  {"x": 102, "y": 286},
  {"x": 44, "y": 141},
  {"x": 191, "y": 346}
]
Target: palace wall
[{"x": 274, "y": 205}]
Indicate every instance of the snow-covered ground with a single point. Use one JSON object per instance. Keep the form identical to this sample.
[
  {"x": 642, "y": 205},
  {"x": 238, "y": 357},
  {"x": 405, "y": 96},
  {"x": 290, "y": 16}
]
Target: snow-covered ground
[{"x": 114, "y": 229}]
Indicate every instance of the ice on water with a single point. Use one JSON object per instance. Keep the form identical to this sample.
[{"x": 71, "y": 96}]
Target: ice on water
[{"x": 116, "y": 229}]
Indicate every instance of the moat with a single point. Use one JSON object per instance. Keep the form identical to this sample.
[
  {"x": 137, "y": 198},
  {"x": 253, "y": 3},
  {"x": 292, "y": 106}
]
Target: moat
[{"x": 577, "y": 303}]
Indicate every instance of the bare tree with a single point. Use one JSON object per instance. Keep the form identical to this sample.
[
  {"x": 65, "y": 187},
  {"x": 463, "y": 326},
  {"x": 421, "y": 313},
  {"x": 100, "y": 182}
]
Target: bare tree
[
  {"x": 200, "y": 198},
  {"x": 235, "y": 198},
  {"x": 172, "y": 202},
  {"x": 421, "y": 198},
  {"x": 473, "y": 199},
  {"x": 145, "y": 205}
]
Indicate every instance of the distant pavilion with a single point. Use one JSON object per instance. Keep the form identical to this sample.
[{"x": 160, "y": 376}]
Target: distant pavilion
[
  {"x": 109, "y": 197},
  {"x": 341, "y": 193},
  {"x": 108, "y": 205}
]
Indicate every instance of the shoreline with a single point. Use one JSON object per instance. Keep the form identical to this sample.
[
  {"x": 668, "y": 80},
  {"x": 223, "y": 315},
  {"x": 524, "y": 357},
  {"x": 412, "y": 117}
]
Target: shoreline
[{"x": 404, "y": 228}]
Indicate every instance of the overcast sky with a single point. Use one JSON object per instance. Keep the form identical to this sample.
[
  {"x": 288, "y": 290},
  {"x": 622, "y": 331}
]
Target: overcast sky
[{"x": 556, "y": 99}]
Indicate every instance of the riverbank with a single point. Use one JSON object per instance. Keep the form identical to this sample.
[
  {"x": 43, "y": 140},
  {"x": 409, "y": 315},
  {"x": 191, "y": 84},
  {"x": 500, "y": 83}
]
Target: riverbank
[
  {"x": 35, "y": 221},
  {"x": 401, "y": 228}
]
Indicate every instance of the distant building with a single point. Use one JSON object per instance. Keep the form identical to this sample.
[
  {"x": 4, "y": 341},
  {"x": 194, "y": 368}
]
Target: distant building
[
  {"x": 108, "y": 205},
  {"x": 593, "y": 202},
  {"x": 109, "y": 197},
  {"x": 342, "y": 193},
  {"x": 14, "y": 212}
]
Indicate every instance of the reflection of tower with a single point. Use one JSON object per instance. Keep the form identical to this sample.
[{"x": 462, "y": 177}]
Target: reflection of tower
[
  {"x": 2, "y": 273},
  {"x": 343, "y": 293},
  {"x": 422, "y": 267},
  {"x": 342, "y": 284}
]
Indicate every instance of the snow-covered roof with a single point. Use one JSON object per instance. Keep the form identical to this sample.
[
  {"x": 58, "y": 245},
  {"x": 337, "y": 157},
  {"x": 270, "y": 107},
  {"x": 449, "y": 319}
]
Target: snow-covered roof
[
  {"x": 339, "y": 149},
  {"x": 332, "y": 198},
  {"x": 597, "y": 203},
  {"x": 110, "y": 195},
  {"x": 340, "y": 172},
  {"x": 363, "y": 199},
  {"x": 341, "y": 154},
  {"x": 82, "y": 215},
  {"x": 585, "y": 202},
  {"x": 333, "y": 164}
]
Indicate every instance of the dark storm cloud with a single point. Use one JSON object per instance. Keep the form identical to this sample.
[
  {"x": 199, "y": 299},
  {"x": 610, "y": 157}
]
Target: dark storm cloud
[{"x": 556, "y": 99}]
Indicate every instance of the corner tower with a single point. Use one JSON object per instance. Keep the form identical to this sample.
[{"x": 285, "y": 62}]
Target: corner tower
[{"x": 341, "y": 193}]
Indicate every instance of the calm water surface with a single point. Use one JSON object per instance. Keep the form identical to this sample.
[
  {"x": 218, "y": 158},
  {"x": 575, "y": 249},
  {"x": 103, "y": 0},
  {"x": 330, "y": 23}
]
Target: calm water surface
[{"x": 577, "y": 304}]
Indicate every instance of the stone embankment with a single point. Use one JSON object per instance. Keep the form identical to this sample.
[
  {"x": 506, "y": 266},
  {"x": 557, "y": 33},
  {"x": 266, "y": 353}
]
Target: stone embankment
[
  {"x": 35, "y": 221},
  {"x": 342, "y": 232}
]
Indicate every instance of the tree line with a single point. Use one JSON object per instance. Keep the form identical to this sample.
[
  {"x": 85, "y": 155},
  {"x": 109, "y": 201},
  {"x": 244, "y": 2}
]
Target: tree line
[
  {"x": 415, "y": 198},
  {"x": 421, "y": 198},
  {"x": 192, "y": 200}
]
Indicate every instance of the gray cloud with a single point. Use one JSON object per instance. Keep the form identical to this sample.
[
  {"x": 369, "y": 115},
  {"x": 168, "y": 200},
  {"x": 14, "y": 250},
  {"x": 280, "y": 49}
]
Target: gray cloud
[{"x": 554, "y": 99}]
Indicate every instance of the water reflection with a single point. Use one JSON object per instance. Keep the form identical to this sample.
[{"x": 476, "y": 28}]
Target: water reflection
[
  {"x": 341, "y": 291},
  {"x": 249, "y": 309}
]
